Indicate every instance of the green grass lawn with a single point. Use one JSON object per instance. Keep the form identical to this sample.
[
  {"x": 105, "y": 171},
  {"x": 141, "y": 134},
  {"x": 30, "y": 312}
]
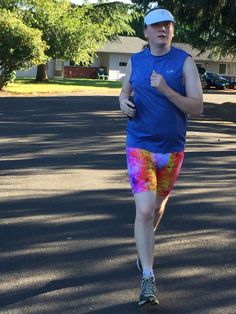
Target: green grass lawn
[{"x": 29, "y": 86}]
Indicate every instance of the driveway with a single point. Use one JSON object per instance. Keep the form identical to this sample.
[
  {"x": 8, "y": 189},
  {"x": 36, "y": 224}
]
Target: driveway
[{"x": 67, "y": 213}]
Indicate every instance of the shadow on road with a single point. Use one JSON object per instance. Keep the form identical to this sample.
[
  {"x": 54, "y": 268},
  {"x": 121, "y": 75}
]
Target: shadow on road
[
  {"x": 73, "y": 252},
  {"x": 223, "y": 112},
  {"x": 220, "y": 92}
]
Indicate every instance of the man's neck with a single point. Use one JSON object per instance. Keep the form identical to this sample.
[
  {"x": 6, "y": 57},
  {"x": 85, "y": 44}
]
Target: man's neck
[{"x": 160, "y": 50}]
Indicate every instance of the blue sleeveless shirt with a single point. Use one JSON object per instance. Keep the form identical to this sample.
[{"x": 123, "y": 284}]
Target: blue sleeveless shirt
[{"x": 158, "y": 126}]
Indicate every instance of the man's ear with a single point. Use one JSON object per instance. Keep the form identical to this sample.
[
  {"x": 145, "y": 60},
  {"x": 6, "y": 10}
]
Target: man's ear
[{"x": 145, "y": 33}]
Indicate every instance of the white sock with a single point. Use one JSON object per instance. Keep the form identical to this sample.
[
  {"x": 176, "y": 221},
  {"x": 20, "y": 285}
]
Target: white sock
[{"x": 148, "y": 273}]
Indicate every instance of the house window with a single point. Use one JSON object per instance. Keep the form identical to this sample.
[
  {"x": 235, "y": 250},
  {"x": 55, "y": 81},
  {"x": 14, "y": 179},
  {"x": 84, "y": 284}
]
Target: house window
[
  {"x": 122, "y": 64},
  {"x": 230, "y": 68},
  {"x": 59, "y": 65},
  {"x": 222, "y": 68}
]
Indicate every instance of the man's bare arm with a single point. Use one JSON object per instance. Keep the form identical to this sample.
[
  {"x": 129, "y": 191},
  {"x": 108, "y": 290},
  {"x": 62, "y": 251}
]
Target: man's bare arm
[
  {"x": 192, "y": 103},
  {"x": 126, "y": 106}
]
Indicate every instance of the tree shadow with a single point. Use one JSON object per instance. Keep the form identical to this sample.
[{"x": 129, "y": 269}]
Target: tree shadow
[
  {"x": 77, "y": 82},
  {"x": 222, "y": 112},
  {"x": 220, "y": 92}
]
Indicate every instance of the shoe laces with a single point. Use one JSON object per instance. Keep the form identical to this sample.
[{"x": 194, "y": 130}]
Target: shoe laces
[{"x": 148, "y": 286}]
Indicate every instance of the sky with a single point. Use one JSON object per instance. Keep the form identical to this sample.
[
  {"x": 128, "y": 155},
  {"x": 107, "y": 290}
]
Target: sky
[{"x": 94, "y": 1}]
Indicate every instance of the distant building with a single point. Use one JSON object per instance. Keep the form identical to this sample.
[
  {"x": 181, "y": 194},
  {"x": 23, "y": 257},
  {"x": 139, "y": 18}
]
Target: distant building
[
  {"x": 224, "y": 66},
  {"x": 114, "y": 55}
]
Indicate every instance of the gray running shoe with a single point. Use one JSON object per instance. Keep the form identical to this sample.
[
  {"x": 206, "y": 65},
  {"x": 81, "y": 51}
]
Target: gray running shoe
[
  {"x": 148, "y": 292},
  {"x": 139, "y": 264}
]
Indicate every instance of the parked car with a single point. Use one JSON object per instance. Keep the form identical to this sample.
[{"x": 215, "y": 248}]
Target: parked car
[
  {"x": 216, "y": 80},
  {"x": 202, "y": 71},
  {"x": 232, "y": 81}
]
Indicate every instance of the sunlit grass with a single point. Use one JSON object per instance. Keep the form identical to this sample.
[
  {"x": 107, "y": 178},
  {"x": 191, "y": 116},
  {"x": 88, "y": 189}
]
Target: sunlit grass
[{"x": 29, "y": 86}]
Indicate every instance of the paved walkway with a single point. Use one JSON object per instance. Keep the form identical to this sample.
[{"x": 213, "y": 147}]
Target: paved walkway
[{"x": 67, "y": 213}]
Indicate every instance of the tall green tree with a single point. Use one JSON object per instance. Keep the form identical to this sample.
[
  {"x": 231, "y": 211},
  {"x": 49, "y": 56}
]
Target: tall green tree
[
  {"x": 72, "y": 32},
  {"x": 205, "y": 24},
  {"x": 19, "y": 46}
]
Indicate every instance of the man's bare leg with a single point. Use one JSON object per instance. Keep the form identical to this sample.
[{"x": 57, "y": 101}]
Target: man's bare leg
[
  {"x": 159, "y": 210},
  {"x": 143, "y": 229}
]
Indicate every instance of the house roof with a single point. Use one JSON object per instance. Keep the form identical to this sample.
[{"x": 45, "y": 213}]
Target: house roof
[
  {"x": 123, "y": 44},
  {"x": 206, "y": 56},
  {"x": 129, "y": 45}
]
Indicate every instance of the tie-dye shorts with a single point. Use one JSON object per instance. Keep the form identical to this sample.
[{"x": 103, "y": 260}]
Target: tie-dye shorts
[{"x": 153, "y": 171}]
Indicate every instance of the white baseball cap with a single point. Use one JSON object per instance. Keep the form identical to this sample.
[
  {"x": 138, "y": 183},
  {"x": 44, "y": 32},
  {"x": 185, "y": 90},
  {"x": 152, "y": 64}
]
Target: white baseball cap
[{"x": 157, "y": 16}]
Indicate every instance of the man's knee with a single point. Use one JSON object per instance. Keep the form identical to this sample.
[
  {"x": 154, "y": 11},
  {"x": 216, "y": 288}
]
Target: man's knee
[{"x": 145, "y": 213}]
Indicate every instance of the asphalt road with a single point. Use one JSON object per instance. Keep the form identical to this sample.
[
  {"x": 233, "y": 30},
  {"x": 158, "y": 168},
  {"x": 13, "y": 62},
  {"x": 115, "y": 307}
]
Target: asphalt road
[{"x": 66, "y": 232}]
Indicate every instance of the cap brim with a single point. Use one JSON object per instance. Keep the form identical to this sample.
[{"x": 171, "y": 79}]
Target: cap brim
[{"x": 158, "y": 16}]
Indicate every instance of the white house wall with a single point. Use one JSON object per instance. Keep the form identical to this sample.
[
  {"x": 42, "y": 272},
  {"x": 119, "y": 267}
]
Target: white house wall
[
  {"x": 115, "y": 64},
  {"x": 97, "y": 62},
  {"x": 117, "y": 72},
  {"x": 212, "y": 66},
  {"x": 51, "y": 68},
  {"x": 27, "y": 73},
  {"x": 32, "y": 71},
  {"x": 102, "y": 60}
]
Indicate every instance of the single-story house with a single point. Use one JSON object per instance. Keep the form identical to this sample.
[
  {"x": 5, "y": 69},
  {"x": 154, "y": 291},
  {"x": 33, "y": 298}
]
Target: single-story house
[
  {"x": 224, "y": 65},
  {"x": 114, "y": 55}
]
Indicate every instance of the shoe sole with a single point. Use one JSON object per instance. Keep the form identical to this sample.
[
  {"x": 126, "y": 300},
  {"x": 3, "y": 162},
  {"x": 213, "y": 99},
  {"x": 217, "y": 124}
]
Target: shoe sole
[{"x": 150, "y": 302}]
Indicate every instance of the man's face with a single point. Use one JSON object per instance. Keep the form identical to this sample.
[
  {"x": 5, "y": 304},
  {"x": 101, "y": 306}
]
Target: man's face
[{"x": 160, "y": 33}]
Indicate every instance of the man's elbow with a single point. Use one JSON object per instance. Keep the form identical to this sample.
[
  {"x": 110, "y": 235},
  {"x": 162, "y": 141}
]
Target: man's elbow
[{"x": 198, "y": 110}]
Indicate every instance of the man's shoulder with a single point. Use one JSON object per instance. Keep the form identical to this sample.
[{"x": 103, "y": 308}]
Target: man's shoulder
[
  {"x": 141, "y": 53},
  {"x": 180, "y": 51}
]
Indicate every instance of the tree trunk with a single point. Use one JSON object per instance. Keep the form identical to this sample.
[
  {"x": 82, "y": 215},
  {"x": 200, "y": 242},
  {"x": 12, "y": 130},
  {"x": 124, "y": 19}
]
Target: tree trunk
[
  {"x": 41, "y": 73},
  {"x": 1, "y": 84}
]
